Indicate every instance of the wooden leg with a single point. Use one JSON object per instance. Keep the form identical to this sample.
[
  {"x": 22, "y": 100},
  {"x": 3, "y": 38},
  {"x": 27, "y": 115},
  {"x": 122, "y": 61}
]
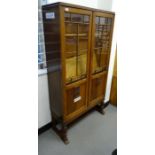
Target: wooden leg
[
  {"x": 100, "y": 108},
  {"x": 62, "y": 133}
]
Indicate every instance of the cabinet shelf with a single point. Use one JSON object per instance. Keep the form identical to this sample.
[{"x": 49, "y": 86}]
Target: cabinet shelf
[
  {"x": 82, "y": 34},
  {"x": 83, "y": 50},
  {"x": 75, "y": 79},
  {"x": 74, "y": 54},
  {"x": 100, "y": 69},
  {"x": 75, "y": 34}
]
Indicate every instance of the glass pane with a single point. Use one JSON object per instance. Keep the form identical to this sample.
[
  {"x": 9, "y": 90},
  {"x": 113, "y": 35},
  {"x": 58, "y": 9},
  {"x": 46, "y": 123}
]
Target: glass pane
[
  {"x": 96, "y": 60},
  {"x": 82, "y": 62},
  {"x": 104, "y": 60},
  {"x": 76, "y": 18},
  {"x": 76, "y": 46},
  {"x": 102, "y": 20},
  {"x": 98, "y": 42},
  {"x": 83, "y": 43},
  {"x": 109, "y": 21},
  {"x": 83, "y": 28},
  {"x": 86, "y": 19},
  {"x": 71, "y": 28},
  {"x": 102, "y": 44},
  {"x": 67, "y": 17},
  {"x": 70, "y": 69},
  {"x": 108, "y": 27},
  {"x": 97, "y": 20},
  {"x": 71, "y": 44}
]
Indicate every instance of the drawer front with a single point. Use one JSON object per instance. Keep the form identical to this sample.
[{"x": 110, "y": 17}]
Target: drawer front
[
  {"x": 98, "y": 86},
  {"x": 76, "y": 98}
]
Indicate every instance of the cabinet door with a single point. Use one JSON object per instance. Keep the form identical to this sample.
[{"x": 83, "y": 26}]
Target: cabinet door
[
  {"x": 101, "y": 44},
  {"x": 76, "y": 42},
  {"x": 75, "y": 39},
  {"x": 100, "y": 53}
]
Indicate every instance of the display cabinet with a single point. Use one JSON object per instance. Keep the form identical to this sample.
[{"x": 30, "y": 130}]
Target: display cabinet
[{"x": 77, "y": 43}]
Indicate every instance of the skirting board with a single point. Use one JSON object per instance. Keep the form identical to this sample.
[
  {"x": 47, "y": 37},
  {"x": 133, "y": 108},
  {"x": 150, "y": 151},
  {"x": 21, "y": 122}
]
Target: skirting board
[
  {"x": 44, "y": 128},
  {"x": 49, "y": 125}
]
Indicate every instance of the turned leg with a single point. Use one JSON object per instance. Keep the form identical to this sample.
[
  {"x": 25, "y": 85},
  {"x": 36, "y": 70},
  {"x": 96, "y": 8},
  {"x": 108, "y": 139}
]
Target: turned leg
[{"x": 100, "y": 108}]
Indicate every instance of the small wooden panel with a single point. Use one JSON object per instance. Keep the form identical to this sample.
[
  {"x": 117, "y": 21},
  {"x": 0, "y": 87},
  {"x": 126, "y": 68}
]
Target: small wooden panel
[
  {"x": 98, "y": 87},
  {"x": 76, "y": 98}
]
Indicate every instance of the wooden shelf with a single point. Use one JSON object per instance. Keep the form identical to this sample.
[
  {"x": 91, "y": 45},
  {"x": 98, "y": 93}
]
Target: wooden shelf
[
  {"x": 71, "y": 22},
  {"x": 78, "y": 51},
  {"x": 76, "y": 55},
  {"x": 75, "y": 34},
  {"x": 70, "y": 34},
  {"x": 83, "y": 50},
  {"x": 76, "y": 78},
  {"x": 100, "y": 69},
  {"x": 82, "y": 34}
]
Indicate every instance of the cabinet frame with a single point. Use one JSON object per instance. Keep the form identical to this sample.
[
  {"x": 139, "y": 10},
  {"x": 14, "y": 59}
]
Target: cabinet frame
[{"x": 57, "y": 73}]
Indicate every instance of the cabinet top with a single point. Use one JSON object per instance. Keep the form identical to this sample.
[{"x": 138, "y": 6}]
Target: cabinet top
[{"x": 76, "y": 6}]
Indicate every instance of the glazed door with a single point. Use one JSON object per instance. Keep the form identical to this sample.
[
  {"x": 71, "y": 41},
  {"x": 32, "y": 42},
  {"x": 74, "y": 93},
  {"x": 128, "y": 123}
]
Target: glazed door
[
  {"x": 76, "y": 31},
  {"x": 100, "y": 53}
]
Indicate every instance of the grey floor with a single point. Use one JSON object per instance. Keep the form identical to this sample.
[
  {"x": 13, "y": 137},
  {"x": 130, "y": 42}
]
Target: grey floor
[{"x": 94, "y": 134}]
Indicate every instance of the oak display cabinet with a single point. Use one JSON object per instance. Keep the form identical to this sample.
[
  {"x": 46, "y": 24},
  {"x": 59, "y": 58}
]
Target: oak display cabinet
[{"x": 78, "y": 44}]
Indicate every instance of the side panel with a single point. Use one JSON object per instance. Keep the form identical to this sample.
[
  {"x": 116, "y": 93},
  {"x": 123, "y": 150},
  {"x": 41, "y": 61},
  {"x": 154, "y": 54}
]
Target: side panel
[{"x": 51, "y": 25}]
